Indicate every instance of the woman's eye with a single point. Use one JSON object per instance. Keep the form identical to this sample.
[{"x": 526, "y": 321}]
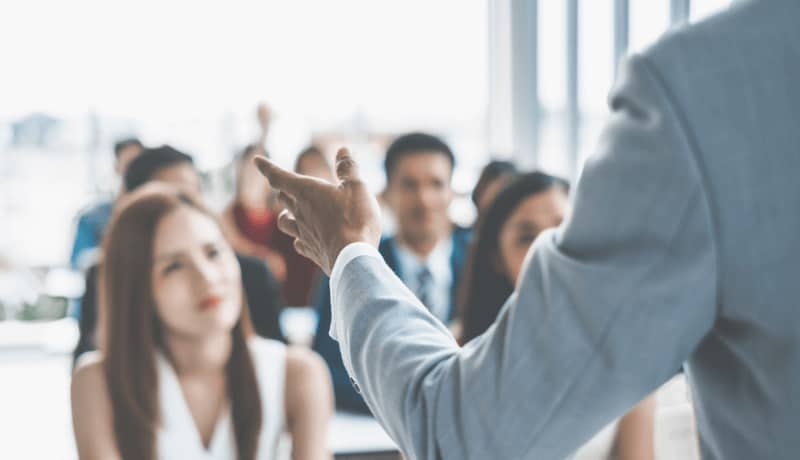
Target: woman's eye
[
  {"x": 172, "y": 267},
  {"x": 213, "y": 253},
  {"x": 526, "y": 239}
]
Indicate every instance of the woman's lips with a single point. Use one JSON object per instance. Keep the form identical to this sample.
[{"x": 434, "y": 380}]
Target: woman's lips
[{"x": 210, "y": 302}]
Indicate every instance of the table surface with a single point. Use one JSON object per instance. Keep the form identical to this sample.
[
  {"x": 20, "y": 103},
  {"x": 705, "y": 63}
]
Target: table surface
[{"x": 34, "y": 394}]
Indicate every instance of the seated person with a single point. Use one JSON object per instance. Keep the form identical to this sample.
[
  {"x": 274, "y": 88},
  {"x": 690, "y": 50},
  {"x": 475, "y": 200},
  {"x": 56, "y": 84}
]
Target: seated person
[
  {"x": 427, "y": 252},
  {"x": 261, "y": 290},
  {"x": 251, "y": 224},
  {"x": 531, "y": 203},
  {"x": 250, "y": 220},
  {"x": 179, "y": 373},
  {"x": 92, "y": 222},
  {"x": 313, "y": 162}
]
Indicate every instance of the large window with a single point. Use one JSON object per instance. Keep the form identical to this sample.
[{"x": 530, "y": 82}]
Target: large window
[
  {"x": 191, "y": 74},
  {"x": 577, "y": 46}
]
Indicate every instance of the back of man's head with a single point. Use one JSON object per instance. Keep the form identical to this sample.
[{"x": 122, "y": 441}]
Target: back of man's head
[
  {"x": 413, "y": 144},
  {"x": 150, "y": 162}
]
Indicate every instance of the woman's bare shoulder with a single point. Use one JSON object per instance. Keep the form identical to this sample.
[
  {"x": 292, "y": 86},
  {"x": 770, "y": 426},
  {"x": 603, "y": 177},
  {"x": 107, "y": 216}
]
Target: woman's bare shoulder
[{"x": 88, "y": 378}]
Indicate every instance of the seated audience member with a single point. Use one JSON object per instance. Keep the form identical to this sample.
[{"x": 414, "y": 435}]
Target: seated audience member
[
  {"x": 312, "y": 162},
  {"x": 92, "y": 222},
  {"x": 531, "y": 203},
  {"x": 262, "y": 291},
  {"x": 179, "y": 373},
  {"x": 302, "y": 274},
  {"x": 427, "y": 252},
  {"x": 250, "y": 220},
  {"x": 494, "y": 176}
]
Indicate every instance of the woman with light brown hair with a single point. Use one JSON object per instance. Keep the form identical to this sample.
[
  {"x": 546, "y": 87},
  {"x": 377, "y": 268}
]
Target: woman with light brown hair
[{"x": 180, "y": 373}]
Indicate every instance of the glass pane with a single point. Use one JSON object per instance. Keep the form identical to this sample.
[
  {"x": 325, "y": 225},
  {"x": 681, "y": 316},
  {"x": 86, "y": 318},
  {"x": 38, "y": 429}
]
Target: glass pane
[
  {"x": 552, "y": 54},
  {"x": 595, "y": 54},
  {"x": 648, "y": 20},
  {"x": 553, "y": 153},
  {"x": 700, "y": 9}
]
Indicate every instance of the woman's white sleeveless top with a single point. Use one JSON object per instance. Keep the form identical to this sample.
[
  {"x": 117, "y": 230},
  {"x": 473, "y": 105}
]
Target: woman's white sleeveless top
[{"x": 178, "y": 438}]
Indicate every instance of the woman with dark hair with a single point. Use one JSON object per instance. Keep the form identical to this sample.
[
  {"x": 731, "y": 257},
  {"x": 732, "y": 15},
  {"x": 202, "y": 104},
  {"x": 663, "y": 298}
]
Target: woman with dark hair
[
  {"x": 179, "y": 372},
  {"x": 494, "y": 176},
  {"x": 530, "y": 204}
]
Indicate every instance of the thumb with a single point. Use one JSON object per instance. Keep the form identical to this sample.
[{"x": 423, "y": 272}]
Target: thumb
[{"x": 346, "y": 166}]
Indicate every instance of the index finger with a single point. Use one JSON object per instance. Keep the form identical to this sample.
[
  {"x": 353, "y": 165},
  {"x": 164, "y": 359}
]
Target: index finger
[{"x": 281, "y": 179}]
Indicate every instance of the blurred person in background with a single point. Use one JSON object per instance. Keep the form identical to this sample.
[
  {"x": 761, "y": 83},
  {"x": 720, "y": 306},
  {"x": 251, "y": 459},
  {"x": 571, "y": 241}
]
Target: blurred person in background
[
  {"x": 92, "y": 222},
  {"x": 180, "y": 373},
  {"x": 531, "y": 203},
  {"x": 427, "y": 251},
  {"x": 166, "y": 164},
  {"x": 494, "y": 176},
  {"x": 250, "y": 222},
  {"x": 313, "y": 162},
  {"x": 264, "y": 118}
]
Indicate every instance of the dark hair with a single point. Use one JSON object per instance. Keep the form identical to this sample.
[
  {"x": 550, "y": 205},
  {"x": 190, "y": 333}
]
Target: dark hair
[
  {"x": 122, "y": 144},
  {"x": 413, "y": 143},
  {"x": 310, "y": 151},
  {"x": 485, "y": 289},
  {"x": 150, "y": 162},
  {"x": 130, "y": 334},
  {"x": 491, "y": 172}
]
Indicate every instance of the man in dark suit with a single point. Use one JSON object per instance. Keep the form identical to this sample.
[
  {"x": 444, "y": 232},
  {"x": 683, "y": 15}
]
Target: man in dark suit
[{"x": 427, "y": 250}]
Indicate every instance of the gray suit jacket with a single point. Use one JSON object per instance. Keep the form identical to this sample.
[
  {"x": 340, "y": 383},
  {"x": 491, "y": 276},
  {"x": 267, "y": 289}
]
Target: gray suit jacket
[{"x": 683, "y": 245}]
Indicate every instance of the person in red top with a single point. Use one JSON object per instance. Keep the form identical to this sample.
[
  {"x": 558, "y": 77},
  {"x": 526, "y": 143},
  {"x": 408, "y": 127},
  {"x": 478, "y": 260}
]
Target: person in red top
[{"x": 250, "y": 223}]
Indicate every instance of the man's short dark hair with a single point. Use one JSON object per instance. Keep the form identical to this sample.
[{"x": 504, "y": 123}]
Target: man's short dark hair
[
  {"x": 152, "y": 160},
  {"x": 123, "y": 144},
  {"x": 414, "y": 143}
]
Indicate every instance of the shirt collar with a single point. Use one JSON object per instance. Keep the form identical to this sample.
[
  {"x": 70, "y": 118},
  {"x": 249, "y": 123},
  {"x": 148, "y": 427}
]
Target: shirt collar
[{"x": 438, "y": 261}]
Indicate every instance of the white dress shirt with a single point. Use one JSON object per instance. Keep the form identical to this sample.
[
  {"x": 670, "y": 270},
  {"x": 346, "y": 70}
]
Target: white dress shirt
[{"x": 438, "y": 263}]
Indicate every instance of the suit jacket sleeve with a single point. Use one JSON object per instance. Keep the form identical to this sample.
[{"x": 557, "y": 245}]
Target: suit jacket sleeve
[{"x": 607, "y": 307}]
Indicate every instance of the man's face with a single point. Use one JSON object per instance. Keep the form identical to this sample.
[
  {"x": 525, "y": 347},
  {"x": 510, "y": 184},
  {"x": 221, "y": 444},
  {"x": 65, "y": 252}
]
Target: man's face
[
  {"x": 419, "y": 194},
  {"x": 124, "y": 158}
]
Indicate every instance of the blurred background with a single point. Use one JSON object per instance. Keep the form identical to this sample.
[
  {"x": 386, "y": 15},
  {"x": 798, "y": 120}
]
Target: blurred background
[{"x": 520, "y": 80}]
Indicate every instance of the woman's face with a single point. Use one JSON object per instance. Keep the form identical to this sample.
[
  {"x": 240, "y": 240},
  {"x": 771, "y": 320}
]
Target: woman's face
[
  {"x": 534, "y": 214},
  {"x": 196, "y": 279},
  {"x": 316, "y": 166}
]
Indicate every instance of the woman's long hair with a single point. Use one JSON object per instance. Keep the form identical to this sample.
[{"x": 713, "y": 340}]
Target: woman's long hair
[
  {"x": 484, "y": 288},
  {"x": 131, "y": 333}
]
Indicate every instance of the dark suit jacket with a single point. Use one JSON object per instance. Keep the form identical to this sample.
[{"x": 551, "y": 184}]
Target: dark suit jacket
[
  {"x": 346, "y": 396},
  {"x": 262, "y": 290}
]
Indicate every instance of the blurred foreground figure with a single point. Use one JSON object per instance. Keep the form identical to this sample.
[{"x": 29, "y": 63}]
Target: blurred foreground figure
[
  {"x": 530, "y": 204},
  {"x": 681, "y": 246}
]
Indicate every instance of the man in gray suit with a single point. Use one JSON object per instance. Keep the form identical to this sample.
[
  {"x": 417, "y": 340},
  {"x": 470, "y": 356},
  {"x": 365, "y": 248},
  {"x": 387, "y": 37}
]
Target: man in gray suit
[{"x": 682, "y": 245}]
